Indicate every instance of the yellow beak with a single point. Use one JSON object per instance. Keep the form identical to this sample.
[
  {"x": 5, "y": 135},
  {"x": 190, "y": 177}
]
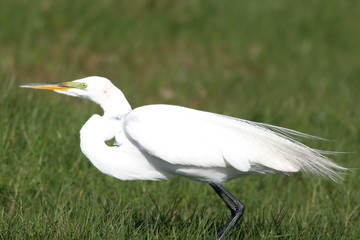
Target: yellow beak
[{"x": 59, "y": 86}]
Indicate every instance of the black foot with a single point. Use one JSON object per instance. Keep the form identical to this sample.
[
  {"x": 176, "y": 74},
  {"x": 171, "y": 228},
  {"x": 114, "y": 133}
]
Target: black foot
[{"x": 236, "y": 207}]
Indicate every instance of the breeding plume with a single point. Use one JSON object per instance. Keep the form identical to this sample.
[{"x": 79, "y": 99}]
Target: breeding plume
[{"x": 155, "y": 142}]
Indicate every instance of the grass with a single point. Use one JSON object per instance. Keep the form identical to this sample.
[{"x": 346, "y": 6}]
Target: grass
[{"x": 293, "y": 64}]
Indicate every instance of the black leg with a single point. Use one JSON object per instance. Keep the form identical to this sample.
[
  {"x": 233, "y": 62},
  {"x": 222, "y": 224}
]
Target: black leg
[{"x": 236, "y": 207}]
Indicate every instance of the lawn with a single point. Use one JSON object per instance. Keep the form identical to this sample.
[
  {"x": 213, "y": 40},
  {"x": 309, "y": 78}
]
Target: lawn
[{"x": 292, "y": 64}]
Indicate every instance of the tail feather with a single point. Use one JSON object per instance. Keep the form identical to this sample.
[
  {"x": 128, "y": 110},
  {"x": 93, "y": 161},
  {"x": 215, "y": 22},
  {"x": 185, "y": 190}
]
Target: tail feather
[
  {"x": 291, "y": 155},
  {"x": 306, "y": 159}
]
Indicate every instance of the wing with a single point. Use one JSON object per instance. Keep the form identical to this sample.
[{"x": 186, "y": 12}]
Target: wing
[
  {"x": 188, "y": 137},
  {"x": 174, "y": 135}
]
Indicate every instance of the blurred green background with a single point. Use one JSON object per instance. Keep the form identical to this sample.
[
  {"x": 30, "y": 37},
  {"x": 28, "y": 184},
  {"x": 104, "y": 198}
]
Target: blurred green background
[{"x": 294, "y": 64}]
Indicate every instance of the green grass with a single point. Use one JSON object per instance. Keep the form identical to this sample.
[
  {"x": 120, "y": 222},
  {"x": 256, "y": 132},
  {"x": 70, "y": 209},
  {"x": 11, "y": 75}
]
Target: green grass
[{"x": 293, "y": 64}]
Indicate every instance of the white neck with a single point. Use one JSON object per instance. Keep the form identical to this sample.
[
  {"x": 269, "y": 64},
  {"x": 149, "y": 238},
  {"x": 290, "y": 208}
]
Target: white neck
[{"x": 114, "y": 104}]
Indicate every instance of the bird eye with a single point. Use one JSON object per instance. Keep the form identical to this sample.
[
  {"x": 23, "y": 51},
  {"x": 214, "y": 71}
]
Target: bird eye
[{"x": 83, "y": 85}]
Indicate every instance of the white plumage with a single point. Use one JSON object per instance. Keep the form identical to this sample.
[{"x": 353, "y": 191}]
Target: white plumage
[
  {"x": 155, "y": 142},
  {"x": 203, "y": 146}
]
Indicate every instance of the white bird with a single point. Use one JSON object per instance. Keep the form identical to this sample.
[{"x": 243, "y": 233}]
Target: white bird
[{"x": 155, "y": 142}]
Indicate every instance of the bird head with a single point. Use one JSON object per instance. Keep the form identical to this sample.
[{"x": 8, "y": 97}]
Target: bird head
[
  {"x": 93, "y": 88},
  {"x": 98, "y": 89}
]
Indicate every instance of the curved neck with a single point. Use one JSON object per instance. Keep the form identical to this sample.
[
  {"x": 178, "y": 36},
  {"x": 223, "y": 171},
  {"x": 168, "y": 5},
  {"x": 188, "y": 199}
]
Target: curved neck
[{"x": 114, "y": 104}]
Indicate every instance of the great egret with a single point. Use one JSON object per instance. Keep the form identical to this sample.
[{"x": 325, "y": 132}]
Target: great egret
[{"x": 155, "y": 142}]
